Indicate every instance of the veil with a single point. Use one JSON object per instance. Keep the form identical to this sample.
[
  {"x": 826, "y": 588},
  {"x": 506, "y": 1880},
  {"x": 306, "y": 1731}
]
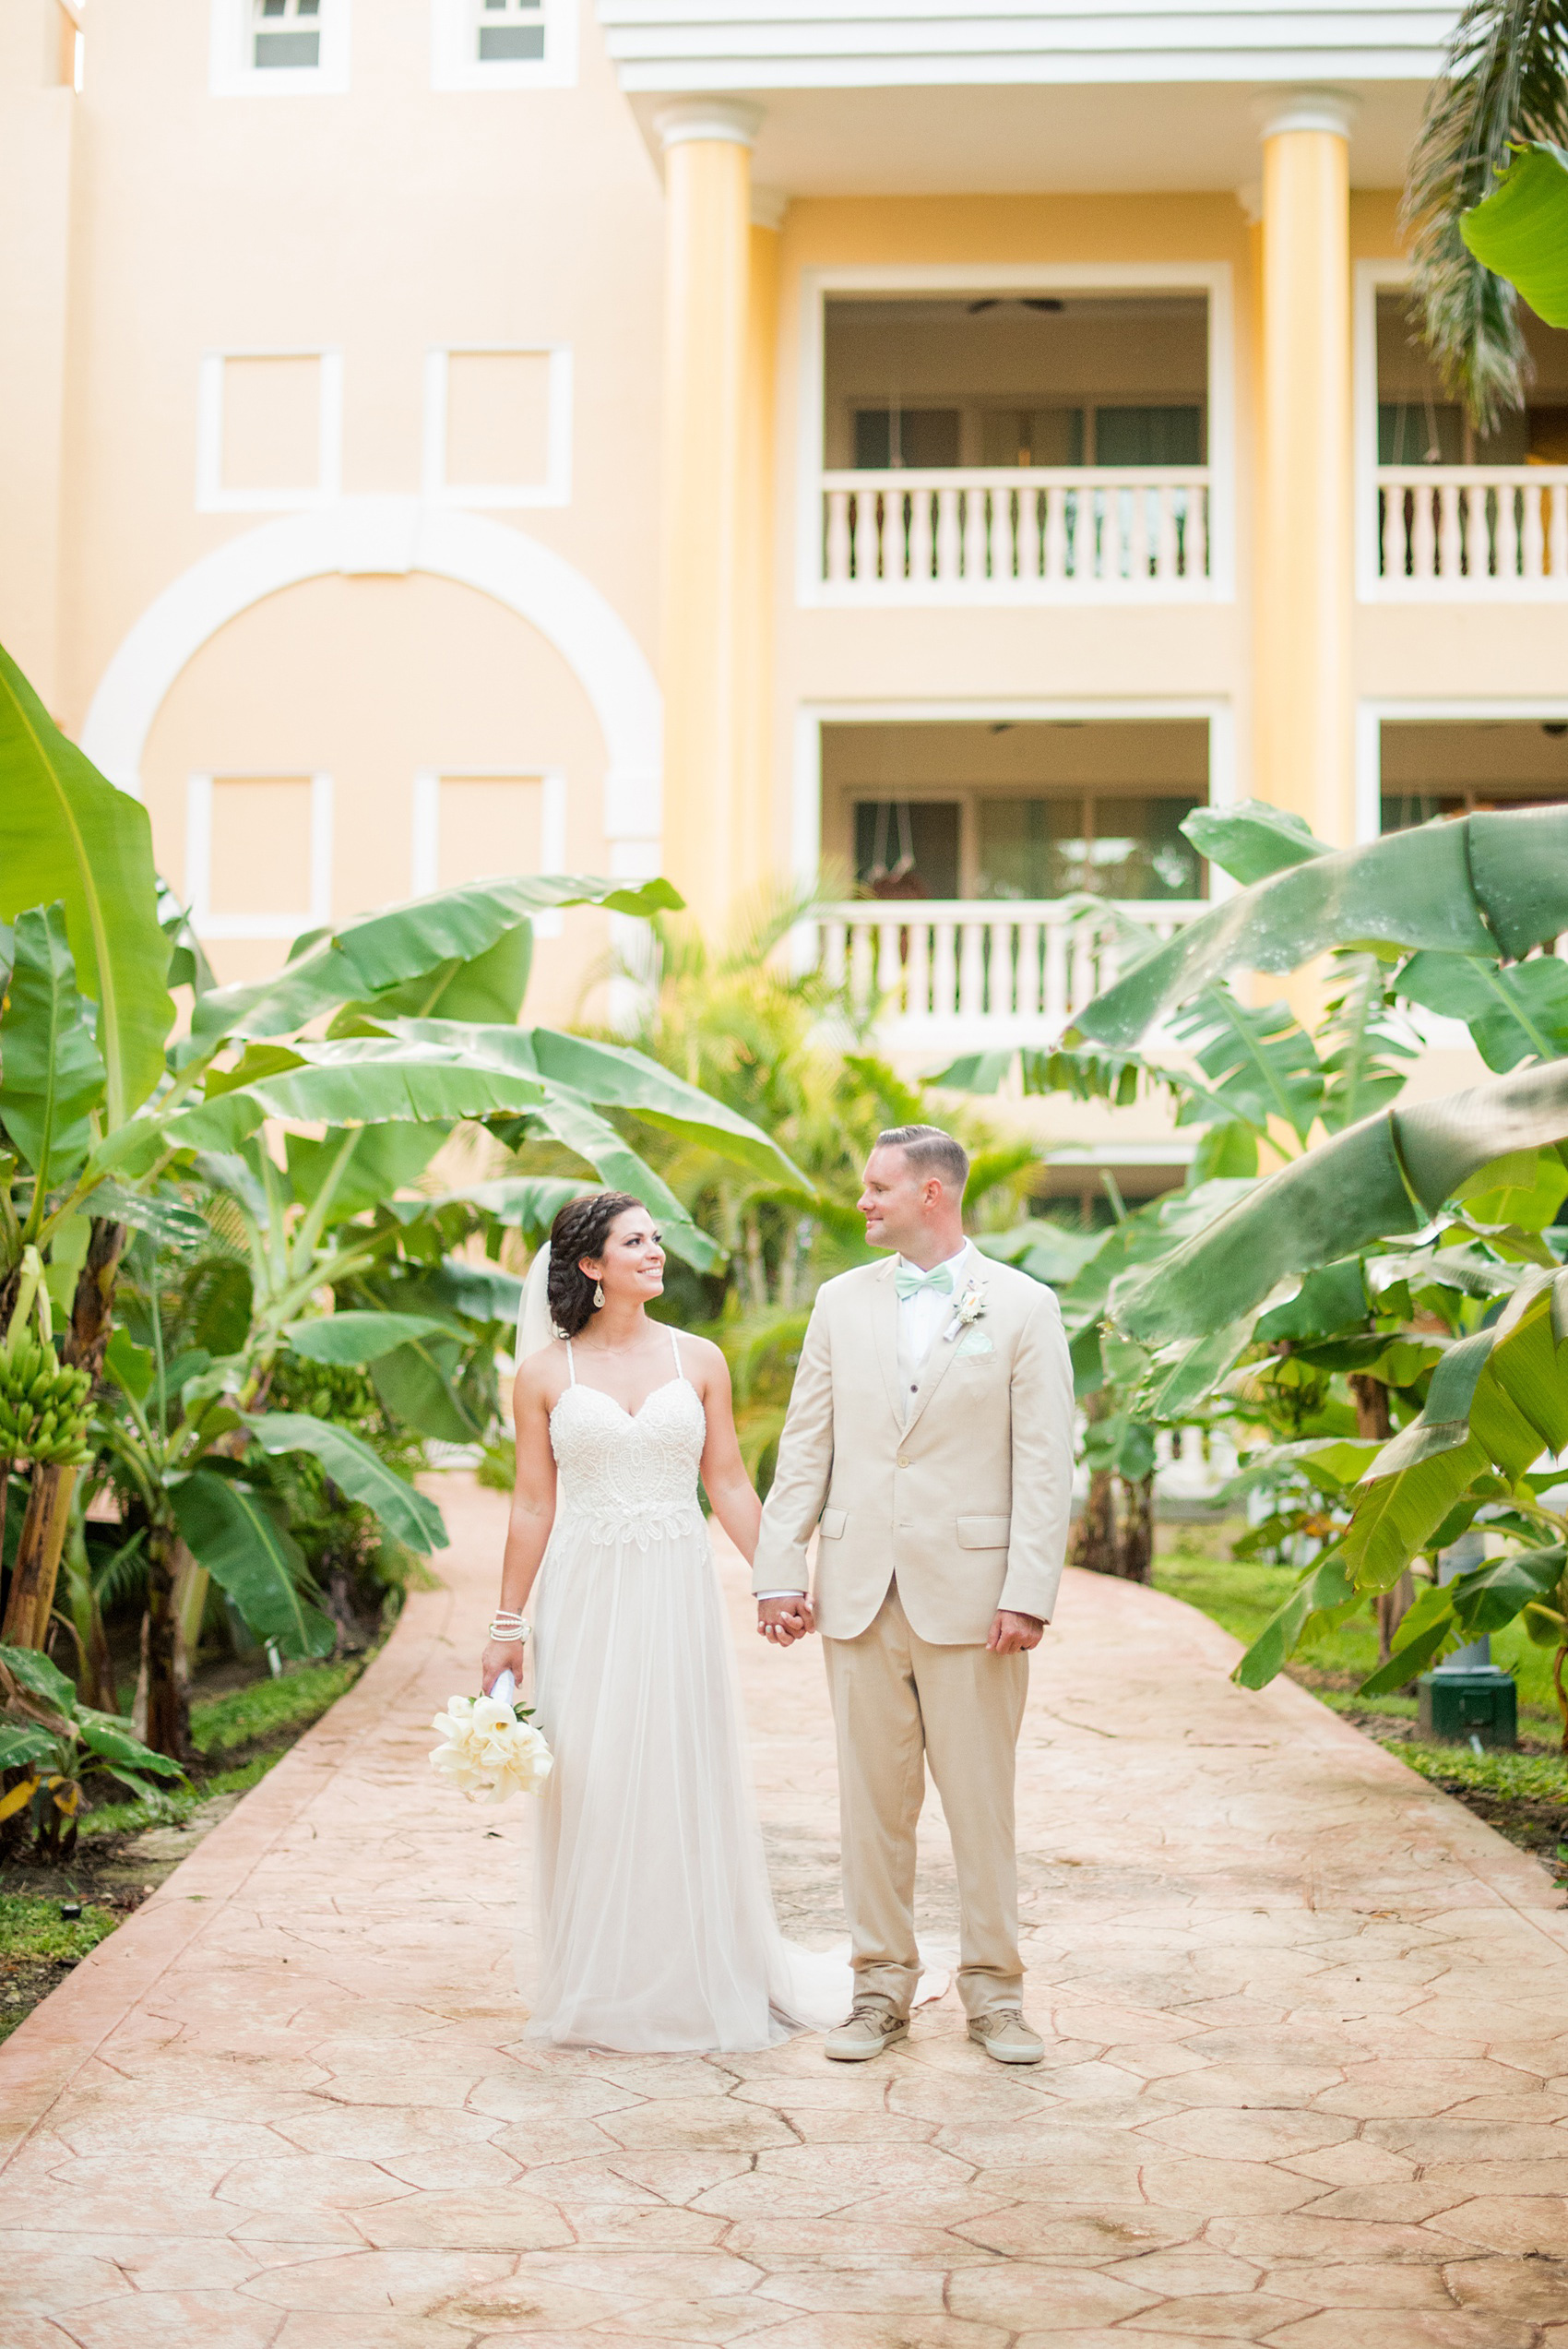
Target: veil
[{"x": 534, "y": 1328}]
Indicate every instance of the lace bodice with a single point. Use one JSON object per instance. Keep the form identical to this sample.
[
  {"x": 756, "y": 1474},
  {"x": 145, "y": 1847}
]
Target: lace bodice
[{"x": 625, "y": 1479}]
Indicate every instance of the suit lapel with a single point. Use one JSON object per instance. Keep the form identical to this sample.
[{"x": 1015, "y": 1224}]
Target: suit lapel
[
  {"x": 939, "y": 1360},
  {"x": 884, "y": 1322}
]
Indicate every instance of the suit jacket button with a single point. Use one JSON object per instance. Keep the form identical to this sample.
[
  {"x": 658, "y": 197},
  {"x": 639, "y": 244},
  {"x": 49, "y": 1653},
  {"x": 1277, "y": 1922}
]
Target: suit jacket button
[{"x": 903, "y": 1460}]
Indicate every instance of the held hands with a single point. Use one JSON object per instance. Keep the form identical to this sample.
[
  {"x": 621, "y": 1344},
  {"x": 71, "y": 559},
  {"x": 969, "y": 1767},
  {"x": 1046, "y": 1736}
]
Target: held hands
[
  {"x": 1010, "y": 1634},
  {"x": 501, "y": 1655},
  {"x": 783, "y": 1621}
]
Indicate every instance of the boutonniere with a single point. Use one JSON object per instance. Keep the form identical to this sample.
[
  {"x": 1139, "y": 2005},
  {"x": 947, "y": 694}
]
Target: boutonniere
[{"x": 967, "y": 1311}]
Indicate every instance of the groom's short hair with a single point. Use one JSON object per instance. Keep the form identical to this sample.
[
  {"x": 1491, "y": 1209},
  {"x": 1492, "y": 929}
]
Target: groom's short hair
[{"x": 934, "y": 1152}]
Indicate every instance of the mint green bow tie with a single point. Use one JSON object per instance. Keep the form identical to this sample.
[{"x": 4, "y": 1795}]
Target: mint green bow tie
[{"x": 910, "y": 1283}]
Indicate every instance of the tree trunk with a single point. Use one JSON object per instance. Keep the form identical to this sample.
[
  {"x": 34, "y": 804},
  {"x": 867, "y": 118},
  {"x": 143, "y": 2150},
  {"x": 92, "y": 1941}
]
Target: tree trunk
[
  {"x": 31, "y": 1600},
  {"x": 1371, "y": 1408},
  {"x": 168, "y": 1700},
  {"x": 1094, "y": 1537},
  {"x": 1392, "y": 1608},
  {"x": 1134, "y": 1546}
]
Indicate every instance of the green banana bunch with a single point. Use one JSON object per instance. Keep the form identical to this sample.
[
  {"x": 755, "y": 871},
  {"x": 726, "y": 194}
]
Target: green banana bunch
[{"x": 45, "y": 1408}]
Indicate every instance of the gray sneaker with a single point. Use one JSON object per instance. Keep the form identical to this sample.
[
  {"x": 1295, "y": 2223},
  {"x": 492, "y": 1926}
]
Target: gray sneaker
[
  {"x": 1004, "y": 2035},
  {"x": 872, "y": 2026}
]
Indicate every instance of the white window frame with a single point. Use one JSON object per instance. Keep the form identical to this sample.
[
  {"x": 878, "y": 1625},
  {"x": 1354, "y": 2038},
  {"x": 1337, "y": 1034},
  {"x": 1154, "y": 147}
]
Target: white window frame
[
  {"x": 199, "y": 864},
  {"x": 453, "y": 50},
  {"x": 556, "y": 487},
  {"x": 231, "y": 74},
  {"x": 1212, "y": 279},
  {"x": 211, "y": 497},
  {"x": 424, "y": 859}
]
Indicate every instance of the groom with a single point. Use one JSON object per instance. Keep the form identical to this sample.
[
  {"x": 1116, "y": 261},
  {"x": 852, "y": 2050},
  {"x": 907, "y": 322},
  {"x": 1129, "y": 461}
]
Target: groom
[{"x": 929, "y": 1443}]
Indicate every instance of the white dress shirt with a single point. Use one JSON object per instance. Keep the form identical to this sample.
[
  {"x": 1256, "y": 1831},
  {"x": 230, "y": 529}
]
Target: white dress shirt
[{"x": 922, "y": 1319}]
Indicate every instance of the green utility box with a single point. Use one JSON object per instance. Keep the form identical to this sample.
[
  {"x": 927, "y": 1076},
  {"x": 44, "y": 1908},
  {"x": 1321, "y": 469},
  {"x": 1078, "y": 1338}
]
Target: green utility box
[{"x": 1480, "y": 1702}]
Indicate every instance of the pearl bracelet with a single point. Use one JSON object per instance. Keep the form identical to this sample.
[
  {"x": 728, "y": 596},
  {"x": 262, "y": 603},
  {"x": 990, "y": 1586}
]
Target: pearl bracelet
[{"x": 507, "y": 1625}]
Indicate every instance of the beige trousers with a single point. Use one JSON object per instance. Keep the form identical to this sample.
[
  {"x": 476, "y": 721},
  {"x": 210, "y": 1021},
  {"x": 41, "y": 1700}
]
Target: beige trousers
[{"x": 896, "y": 1701}]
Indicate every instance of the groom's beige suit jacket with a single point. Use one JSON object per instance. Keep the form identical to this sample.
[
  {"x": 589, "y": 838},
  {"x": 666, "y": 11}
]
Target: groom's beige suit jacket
[{"x": 964, "y": 1497}]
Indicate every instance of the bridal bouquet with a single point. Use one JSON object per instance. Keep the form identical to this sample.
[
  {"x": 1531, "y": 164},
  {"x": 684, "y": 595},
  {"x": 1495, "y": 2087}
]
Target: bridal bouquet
[{"x": 489, "y": 1750}]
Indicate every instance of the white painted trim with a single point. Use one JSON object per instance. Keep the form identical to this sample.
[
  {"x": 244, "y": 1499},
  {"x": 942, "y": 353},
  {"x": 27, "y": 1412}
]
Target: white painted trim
[
  {"x": 805, "y": 811},
  {"x": 1334, "y": 111},
  {"x": 211, "y": 497},
  {"x": 198, "y": 867},
  {"x": 1212, "y": 279},
  {"x": 1371, "y": 278},
  {"x": 231, "y": 75},
  {"x": 556, "y": 489},
  {"x": 370, "y": 536},
  {"x": 424, "y": 861},
  {"x": 1371, "y": 714},
  {"x": 732, "y": 121},
  {"x": 454, "y": 52}
]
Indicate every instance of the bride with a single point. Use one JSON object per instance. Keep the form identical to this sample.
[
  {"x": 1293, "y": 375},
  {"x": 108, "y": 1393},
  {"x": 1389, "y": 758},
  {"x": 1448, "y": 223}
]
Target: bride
[{"x": 655, "y": 1922}]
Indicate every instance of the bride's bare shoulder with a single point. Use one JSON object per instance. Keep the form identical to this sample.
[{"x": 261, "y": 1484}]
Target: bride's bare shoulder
[
  {"x": 699, "y": 1356},
  {"x": 541, "y": 1377}
]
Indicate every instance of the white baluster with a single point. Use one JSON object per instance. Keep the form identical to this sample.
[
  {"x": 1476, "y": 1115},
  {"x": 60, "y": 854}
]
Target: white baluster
[
  {"x": 974, "y": 535},
  {"x": 835, "y": 937},
  {"x": 1448, "y": 530},
  {"x": 889, "y": 969},
  {"x": 1559, "y": 529},
  {"x": 920, "y": 535},
  {"x": 1424, "y": 536},
  {"x": 917, "y": 970},
  {"x": 1507, "y": 532},
  {"x": 1081, "y": 987},
  {"x": 948, "y": 542},
  {"x": 837, "y": 534},
  {"x": 1006, "y": 530},
  {"x": 1166, "y": 562},
  {"x": 1056, "y": 531},
  {"x": 1028, "y": 970},
  {"x": 1197, "y": 530},
  {"x": 1055, "y": 972},
  {"x": 1108, "y": 513},
  {"x": 1000, "y": 980},
  {"x": 1029, "y": 531},
  {"x": 1137, "y": 534},
  {"x": 1534, "y": 548},
  {"x": 861, "y": 968},
  {"x": 971, "y": 971},
  {"x": 945, "y": 977}
]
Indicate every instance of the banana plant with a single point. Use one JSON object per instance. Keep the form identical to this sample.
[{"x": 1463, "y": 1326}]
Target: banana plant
[{"x": 54, "y": 1743}]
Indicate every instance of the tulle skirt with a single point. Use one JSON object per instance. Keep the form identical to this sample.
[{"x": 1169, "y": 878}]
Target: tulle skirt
[{"x": 652, "y": 1927}]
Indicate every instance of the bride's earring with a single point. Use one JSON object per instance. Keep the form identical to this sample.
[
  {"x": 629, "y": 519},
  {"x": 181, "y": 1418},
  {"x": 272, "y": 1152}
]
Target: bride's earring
[{"x": 598, "y": 1294}]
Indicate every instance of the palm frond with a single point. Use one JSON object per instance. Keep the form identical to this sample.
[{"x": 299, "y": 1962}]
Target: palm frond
[{"x": 1505, "y": 78}]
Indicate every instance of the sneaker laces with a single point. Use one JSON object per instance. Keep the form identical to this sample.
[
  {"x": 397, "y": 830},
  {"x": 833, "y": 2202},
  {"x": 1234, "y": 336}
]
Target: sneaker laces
[{"x": 875, "y": 2011}]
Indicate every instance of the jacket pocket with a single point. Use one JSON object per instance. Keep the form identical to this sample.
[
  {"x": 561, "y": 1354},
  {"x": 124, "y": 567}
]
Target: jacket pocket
[
  {"x": 831, "y": 1523},
  {"x": 983, "y": 1533}
]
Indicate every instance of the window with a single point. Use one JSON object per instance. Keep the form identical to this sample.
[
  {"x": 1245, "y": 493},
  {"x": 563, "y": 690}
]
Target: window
[
  {"x": 279, "y": 48},
  {"x": 889, "y": 437},
  {"x": 908, "y": 848},
  {"x": 270, "y": 429},
  {"x": 503, "y": 45},
  {"x": 255, "y": 845},
  {"x": 498, "y": 428},
  {"x": 285, "y": 33},
  {"x": 1110, "y": 844},
  {"x": 472, "y": 828}
]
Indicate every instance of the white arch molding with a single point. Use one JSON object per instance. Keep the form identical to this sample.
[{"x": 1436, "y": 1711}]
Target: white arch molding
[{"x": 362, "y": 537}]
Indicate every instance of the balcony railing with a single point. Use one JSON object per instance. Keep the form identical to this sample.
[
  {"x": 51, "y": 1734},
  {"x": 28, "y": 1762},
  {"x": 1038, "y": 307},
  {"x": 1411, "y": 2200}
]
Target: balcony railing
[
  {"x": 1026, "y": 534},
  {"x": 968, "y": 975},
  {"x": 1464, "y": 531}
]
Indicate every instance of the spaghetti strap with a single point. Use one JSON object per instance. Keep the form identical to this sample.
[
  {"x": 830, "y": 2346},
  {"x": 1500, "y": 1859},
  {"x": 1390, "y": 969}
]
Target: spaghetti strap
[
  {"x": 675, "y": 1350},
  {"x": 570, "y": 1363}
]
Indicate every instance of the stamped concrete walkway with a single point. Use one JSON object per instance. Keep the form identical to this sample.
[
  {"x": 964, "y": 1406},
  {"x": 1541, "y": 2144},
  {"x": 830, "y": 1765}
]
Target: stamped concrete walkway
[{"x": 1307, "y": 2081}]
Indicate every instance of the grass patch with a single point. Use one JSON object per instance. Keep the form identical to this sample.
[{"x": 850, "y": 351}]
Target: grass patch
[
  {"x": 1534, "y": 1777},
  {"x": 33, "y": 1928},
  {"x": 247, "y": 1716},
  {"x": 173, "y": 1808}
]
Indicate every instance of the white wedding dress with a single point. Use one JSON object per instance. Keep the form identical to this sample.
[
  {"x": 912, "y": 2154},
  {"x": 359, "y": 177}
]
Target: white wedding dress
[{"x": 653, "y": 1926}]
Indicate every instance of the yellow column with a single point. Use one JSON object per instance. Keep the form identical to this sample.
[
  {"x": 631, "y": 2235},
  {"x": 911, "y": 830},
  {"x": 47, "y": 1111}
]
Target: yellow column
[
  {"x": 1305, "y": 580},
  {"x": 757, "y": 858},
  {"x": 708, "y": 231}
]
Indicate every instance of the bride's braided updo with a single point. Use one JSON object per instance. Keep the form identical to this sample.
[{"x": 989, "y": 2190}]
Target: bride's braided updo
[{"x": 581, "y": 1229}]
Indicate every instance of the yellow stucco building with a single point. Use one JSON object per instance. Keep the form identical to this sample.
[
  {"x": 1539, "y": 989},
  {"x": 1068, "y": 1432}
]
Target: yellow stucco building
[{"x": 441, "y": 437}]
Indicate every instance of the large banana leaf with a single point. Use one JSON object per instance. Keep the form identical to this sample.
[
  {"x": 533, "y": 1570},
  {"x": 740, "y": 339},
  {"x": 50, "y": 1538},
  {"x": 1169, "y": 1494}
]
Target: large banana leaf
[
  {"x": 568, "y": 1119},
  {"x": 1251, "y": 839},
  {"x": 1486, "y": 1600},
  {"x": 357, "y": 1471},
  {"x": 1520, "y": 230},
  {"x": 1484, "y": 885},
  {"x": 385, "y": 1158},
  {"x": 51, "y": 1075},
  {"x": 1362, "y": 1044},
  {"x": 1260, "y": 1064},
  {"x": 66, "y": 833},
  {"x": 1386, "y": 1177},
  {"x": 420, "y": 1385},
  {"x": 242, "y": 1542},
  {"x": 357, "y": 1082},
  {"x": 357, "y": 1339},
  {"x": 528, "y": 1202},
  {"x": 1513, "y": 1013},
  {"x": 365, "y": 959}
]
